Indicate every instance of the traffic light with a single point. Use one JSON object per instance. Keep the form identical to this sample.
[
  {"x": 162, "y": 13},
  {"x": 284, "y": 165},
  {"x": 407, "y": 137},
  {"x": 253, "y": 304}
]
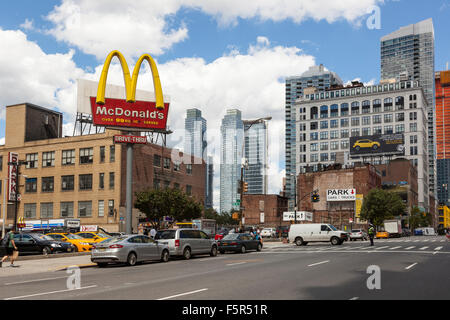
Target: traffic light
[
  {"x": 245, "y": 187},
  {"x": 315, "y": 197}
]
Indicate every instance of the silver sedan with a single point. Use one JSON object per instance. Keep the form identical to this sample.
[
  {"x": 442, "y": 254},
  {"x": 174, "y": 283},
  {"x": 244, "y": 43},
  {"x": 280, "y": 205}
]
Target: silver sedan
[{"x": 128, "y": 249}]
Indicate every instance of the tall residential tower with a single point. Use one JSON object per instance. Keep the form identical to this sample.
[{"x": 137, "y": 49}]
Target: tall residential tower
[{"x": 256, "y": 153}]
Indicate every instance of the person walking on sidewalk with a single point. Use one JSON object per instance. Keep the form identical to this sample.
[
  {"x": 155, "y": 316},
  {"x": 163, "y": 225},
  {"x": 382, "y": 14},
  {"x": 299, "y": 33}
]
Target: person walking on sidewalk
[
  {"x": 11, "y": 249},
  {"x": 371, "y": 233}
]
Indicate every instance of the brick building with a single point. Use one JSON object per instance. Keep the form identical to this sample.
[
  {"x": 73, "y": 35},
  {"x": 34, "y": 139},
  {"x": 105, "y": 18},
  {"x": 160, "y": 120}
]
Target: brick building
[
  {"x": 363, "y": 178},
  {"x": 264, "y": 210},
  {"x": 83, "y": 177}
]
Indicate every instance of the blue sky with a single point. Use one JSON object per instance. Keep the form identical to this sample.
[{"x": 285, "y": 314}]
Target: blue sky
[{"x": 212, "y": 55}]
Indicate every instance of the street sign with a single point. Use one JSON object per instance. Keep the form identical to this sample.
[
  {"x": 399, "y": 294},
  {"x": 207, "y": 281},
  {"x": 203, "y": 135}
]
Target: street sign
[
  {"x": 130, "y": 139},
  {"x": 350, "y": 220},
  {"x": 341, "y": 194}
]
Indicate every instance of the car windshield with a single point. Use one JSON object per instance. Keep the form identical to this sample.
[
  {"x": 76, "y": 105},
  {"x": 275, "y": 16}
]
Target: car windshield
[
  {"x": 72, "y": 236},
  {"x": 45, "y": 237},
  {"x": 165, "y": 234},
  {"x": 232, "y": 236},
  {"x": 332, "y": 227}
]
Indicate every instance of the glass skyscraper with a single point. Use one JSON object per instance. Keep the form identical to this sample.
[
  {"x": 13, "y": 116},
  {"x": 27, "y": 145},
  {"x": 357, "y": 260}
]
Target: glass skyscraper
[
  {"x": 256, "y": 153},
  {"x": 318, "y": 77},
  {"x": 408, "y": 54},
  {"x": 195, "y": 134},
  {"x": 232, "y": 139}
]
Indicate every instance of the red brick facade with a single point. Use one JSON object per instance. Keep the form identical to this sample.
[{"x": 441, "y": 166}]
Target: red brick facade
[{"x": 271, "y": 205}]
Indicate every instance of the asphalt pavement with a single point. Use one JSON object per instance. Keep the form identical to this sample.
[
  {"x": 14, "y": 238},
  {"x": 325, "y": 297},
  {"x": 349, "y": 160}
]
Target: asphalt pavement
[{"x": 409, "y": 268}]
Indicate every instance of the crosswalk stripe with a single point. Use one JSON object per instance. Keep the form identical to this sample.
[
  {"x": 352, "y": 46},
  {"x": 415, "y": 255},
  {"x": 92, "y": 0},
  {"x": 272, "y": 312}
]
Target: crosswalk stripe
[
  {"x": 381, "y": 247},
  {"x": 433, "y": 240},
  {"x": 438, "y": 248},
  {"x": 409, "y": 248},
  {"x": 416, "y": 240},
  {"x": 426, "y": 240},
  {"x": 395, "y": 248},
  {"x": 423, "y": 248}
]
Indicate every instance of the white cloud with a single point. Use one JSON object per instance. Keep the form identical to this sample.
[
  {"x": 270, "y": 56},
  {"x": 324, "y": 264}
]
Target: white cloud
[
  {"x": 97, "y": 27},
  {"x": 27, "y": 25}
]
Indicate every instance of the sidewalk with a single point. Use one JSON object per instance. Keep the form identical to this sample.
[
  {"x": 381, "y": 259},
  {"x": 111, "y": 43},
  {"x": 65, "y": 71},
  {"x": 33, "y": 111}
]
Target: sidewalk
[{"x": 44, "y": 265}]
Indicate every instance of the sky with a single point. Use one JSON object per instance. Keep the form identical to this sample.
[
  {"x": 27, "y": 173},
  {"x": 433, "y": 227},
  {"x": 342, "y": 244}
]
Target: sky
[{"x": 212, "y": 55}]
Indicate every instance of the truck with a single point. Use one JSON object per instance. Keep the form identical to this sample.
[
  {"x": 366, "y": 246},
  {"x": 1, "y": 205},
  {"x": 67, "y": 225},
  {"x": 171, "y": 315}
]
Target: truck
[
  {"x": 394, "y": 227},
  {"x": 206, "y": 225}
]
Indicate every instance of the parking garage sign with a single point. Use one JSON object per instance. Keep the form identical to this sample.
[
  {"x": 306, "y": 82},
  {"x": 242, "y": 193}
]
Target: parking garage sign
[{"x": 341, "y": 194}]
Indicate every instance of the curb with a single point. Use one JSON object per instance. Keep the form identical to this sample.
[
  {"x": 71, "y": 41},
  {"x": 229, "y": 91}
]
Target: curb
[{"x": 51, "y": 256}]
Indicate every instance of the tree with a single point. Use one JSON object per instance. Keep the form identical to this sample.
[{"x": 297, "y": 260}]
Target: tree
[
  {"x": 223, "y": 218},
  {"x": 419, "y": 219},
  {"x": 157, "y": 203},
  {"x": 380, "y": 205}
]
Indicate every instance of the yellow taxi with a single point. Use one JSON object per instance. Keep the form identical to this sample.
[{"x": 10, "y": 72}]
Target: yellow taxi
[
  {"x": 366, "y": 143},
  {"x": 382, "y": 235},
  {"x": 95, "y": 237},
  {"x": 81, "y": 244}
]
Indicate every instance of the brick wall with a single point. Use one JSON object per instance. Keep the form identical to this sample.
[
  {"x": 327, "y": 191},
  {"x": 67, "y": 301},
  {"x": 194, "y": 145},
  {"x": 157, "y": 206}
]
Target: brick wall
[{"x": 273, "y": 207}]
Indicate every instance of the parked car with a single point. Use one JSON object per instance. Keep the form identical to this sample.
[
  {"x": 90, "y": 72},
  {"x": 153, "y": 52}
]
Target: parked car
[
  {"x": 66, "y": 246},
  {"x": 358, "y": 234},
  {"x": 302, "y": 234},
  {"x": 94, "y": 236},
  {"x": 34, "y": 243},
  {"x": 220, "y": 234},
  {"x": 187, "y": 242},
  {"x": 283, "y": 230},
  {"x": 239, "y": 242},
  {"x": 382, "y": 235},
  {"x": 81, "y": 244},
  {"x": 129, "y": 249},
  {"x": 268, "y": 232}
]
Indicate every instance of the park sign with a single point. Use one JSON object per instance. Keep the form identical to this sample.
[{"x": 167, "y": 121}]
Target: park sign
[
  {"x": 129, "y": 113},
  {"x": 341, "y": 194}
]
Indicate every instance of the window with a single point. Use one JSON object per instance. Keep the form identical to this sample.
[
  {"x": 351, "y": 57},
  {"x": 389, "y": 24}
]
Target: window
[
  {"x": 101, "y": 181},
  {"x": 47, "y": 210},
  {"x": 47, "y": 184},
  {"x": 355, "y": 122},
  {"x": 188, "y": 190},
  {"x": 413, "y": 139},
  {"x": 388, "y": 130},
  {"x": 66, "y": 209},
  {"x": 84, "y": 209},
  {"x": 324, "y": 157},
  {"x": 156, "y": 184},
  {"x": 67, "y": 183},
  {"x": 314, "y": 136},
  {"x": 334, "y": 124},
  {"x": 189, "y": 168},
  {"x": 176, "y": 167},
  {"x": 377, "y": 105},
  {"x": 85, "y": 181},
  {"x": 101, "y": 208},
  {"x": 314, "y": 125},
  {"x": 413, "y": 116},
  {"x": 366, "y": 121},
  {"x": 345, "y": 144},
  {"x": 333, "y": 156},
  {"x": 399, "y": 103},
  {"x": 323, "y": 124},
  {"x": 48, "y": 159},
  {"x": 30, "y": 185},
  {"x": 1, "y": 163},
  {"x": 344, "y": 109},
  {"x": 166, "y": 163},
  {"x": 399, "y": 128},
  {"x": 324, "y": 135},
  {"x": 157, "y": 160},
  {"x": 388, "y": 118},
  {"x": 334, "y": 110},
  {"x": 314, "y": 147},
  {"x": 334, "y": 145},
  {"x": 388, "y": 104},
  {"x": 111, "y": 208},
  {"x": 314, "y": 113},
  {"x": 314, "y": 157},
  {"x": 413, "y": 127},
  {"x": 413, "y": 151},
  {"x": 29, "y": 210},
  {"x": 102, "y": 154},
  {"x": 68, "y": 157},
  {"x": 111, "y": 180},
  {"x": 376, "y": 119},
  {"x": 324, "y": 146},
  {"x": 112, "y": 153},
  {"x": 334, "y": 134},
  {"x": 32, "y": 160},
  {"x": 399, "y": 117},
  {"x": 355, "y": 132},
  {"x": 323, "y": 112},
  {"x": 86, "y": 155},
  {"x": 344, "y": 133},
  {"x": 366, "y": 106},
  {"x": 344, "y": 123},
  {"x": 166, "y": 184},
  {"x": 377, "y": 130},
  {"x": 355, "y": 107},
  {"x": 366, "y": 131}
]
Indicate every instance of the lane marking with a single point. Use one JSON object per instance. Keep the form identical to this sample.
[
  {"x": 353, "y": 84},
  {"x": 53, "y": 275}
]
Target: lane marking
[
  {"x": 354, "y": 298},
  {"x": 416, "y": 240},
  {"x": 409, "y": 267},
  {"x": 409, "y": 248},
  {"x": 51, "y": 292},
  {"x": 438, "y": 248},
  {"x": 235, "y": 264},
  {"x": 183, "y": 294},
  {"x": 395, "y": 248},
  {"x": 382, "y": 248},
  {"x": 36, "y": 280},
  {"x": 315, "y": 264},
  {"x": 423, "y": 248}
]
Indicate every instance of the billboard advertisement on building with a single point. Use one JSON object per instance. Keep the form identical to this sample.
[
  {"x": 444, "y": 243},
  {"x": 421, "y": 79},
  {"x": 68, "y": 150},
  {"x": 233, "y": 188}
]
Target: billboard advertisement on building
[
  {"x": 341, "y": 194},
  {"x": 12, "y": 176},
  {"x": 382, "y": 144}
]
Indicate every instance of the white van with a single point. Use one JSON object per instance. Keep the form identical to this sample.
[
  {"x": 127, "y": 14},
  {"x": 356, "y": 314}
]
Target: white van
[{"x": 301, "y": 234}]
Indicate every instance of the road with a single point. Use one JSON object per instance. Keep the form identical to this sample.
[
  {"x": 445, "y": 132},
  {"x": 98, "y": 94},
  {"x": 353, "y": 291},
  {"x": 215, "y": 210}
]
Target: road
[{"x": 410, "y": 268}]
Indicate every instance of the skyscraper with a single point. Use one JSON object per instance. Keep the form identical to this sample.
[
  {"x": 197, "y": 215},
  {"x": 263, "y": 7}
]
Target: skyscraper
[
  {"x": 408, "y": 54},
  {"x": 256, "y": 153},
  {"x": 209, "y": 183},
  {"x": 443, "y": 135},
  {"x": 232, "y": 139},
  {"x": 195, "y": 134},
  {"x": 318, "y": 77}
]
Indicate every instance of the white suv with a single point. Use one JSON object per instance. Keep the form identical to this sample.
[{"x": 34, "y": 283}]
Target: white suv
[{"x": 268, "y": 232}]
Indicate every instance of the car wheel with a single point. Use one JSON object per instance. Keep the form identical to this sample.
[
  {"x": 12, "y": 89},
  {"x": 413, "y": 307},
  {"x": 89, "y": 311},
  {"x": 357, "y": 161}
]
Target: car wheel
[
  {"x": 165, "y": 256},
  {"x": 299, "y": 241},
  {"x": 213, "y": 252},
  {"x": 375, "y": 147},
  {"x": 357, "y": 148},
  {"x": 243, "y": 249},
  {"x": 102, "y": 264},
  {"x": 187, "y": 253},
  {"x": 75, "y": 249},
  {"x": 132, "y": 259},
  {"x": 46, "y": 251},
  {"x": 259, "y": 248},
  {"x": 335, "y": 241}
]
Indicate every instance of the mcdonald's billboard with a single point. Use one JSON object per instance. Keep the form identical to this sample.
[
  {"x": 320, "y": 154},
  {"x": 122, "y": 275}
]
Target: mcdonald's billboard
[{"x": 129, "y": 113}]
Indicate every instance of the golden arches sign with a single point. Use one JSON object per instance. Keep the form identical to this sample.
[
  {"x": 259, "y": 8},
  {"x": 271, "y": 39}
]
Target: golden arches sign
[{"x": 130, "y": 82}]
